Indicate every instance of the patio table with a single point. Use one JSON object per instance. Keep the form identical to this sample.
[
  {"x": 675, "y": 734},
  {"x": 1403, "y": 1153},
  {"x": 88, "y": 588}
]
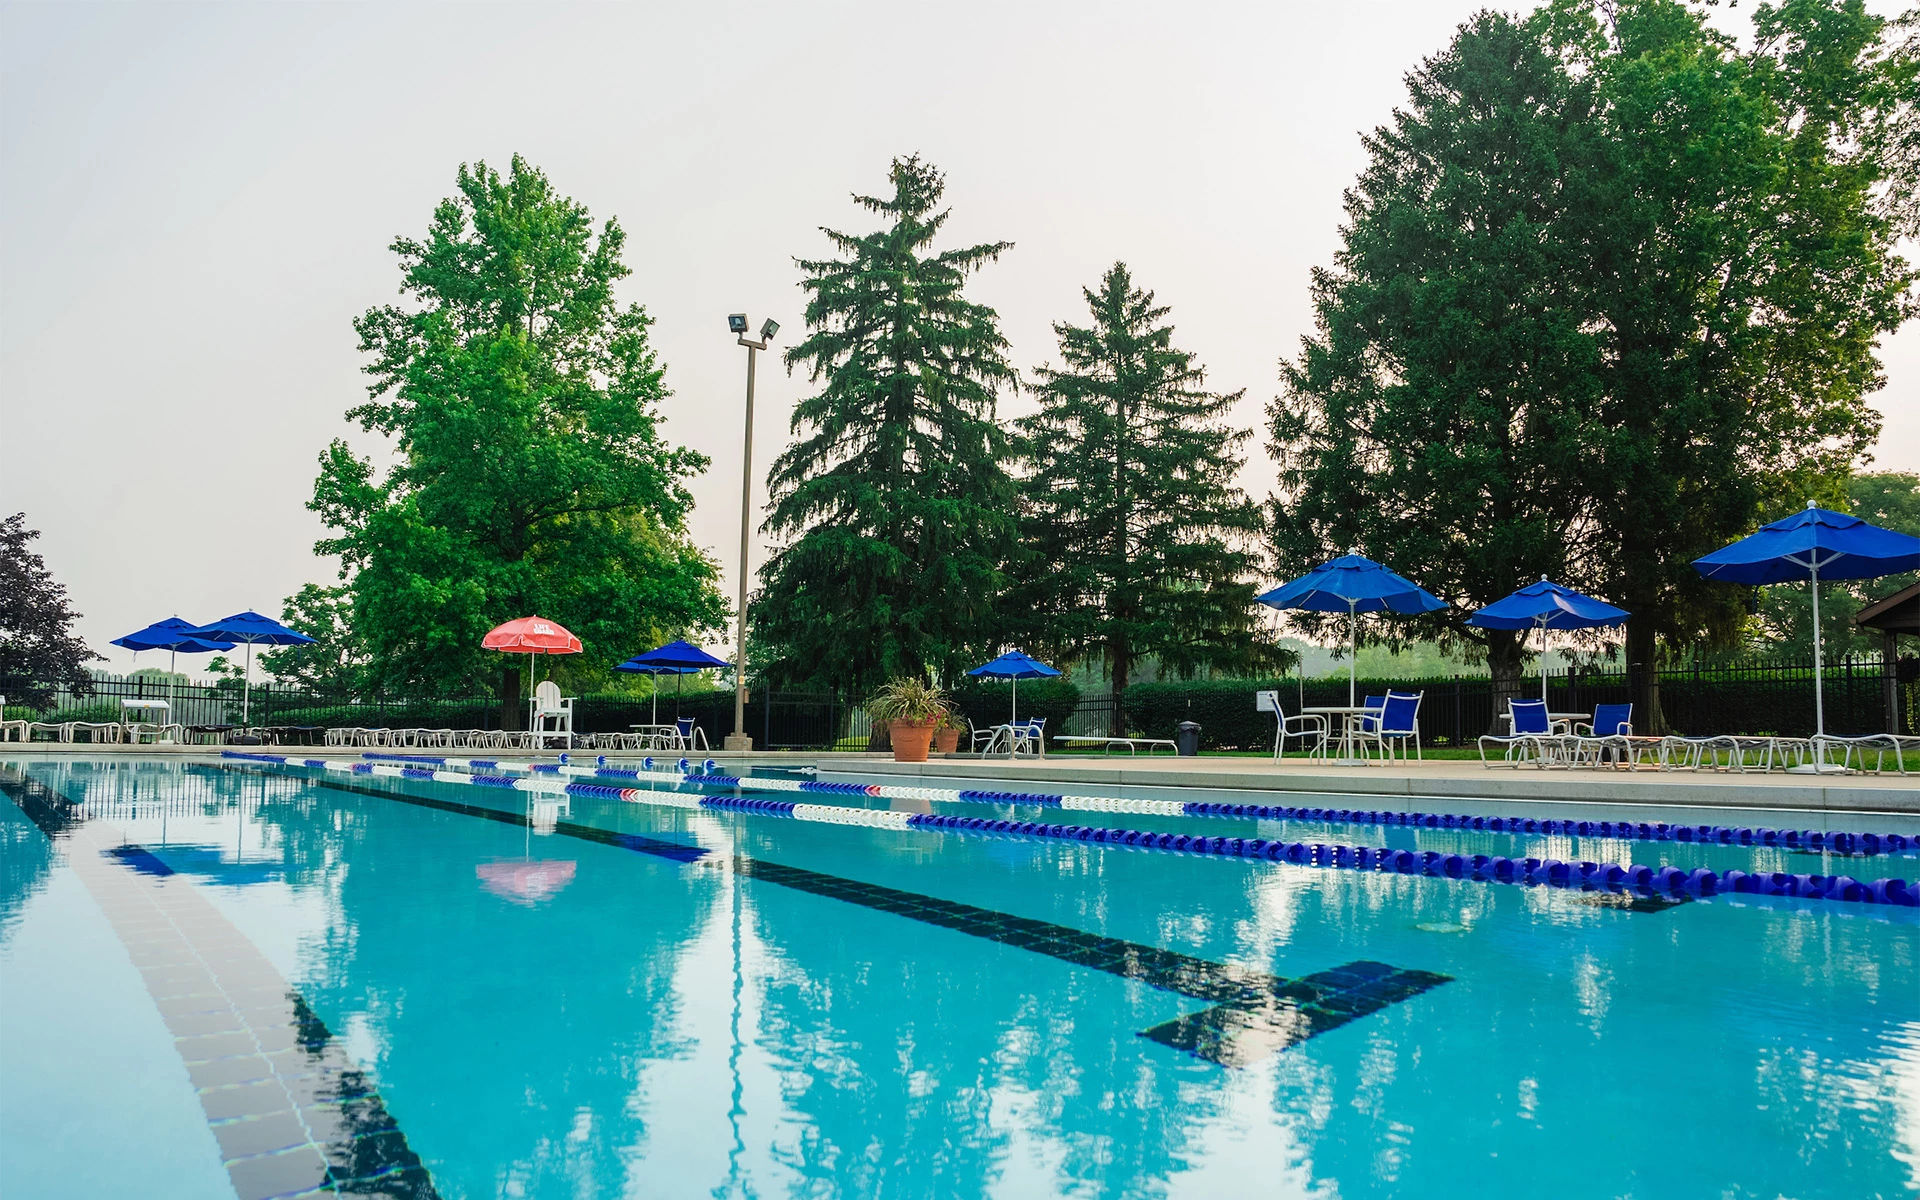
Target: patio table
[
  {"x": 1348, "y": 716},
  {"x": 660, "y": 737}
]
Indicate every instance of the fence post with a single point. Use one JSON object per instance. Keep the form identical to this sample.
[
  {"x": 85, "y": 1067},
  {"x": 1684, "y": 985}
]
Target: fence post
[{"x": 1459, "y": 701}]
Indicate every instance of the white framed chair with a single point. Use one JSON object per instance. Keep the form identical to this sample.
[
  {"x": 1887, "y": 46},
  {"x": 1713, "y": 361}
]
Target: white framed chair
[
  {"x": 1307, "y": 726},
  {"x": 1030, "y": 736},
  {"x": 687, "y": 735},
  {"x": 1532, "y": 739},
  {"x": 551, "y": 716}
]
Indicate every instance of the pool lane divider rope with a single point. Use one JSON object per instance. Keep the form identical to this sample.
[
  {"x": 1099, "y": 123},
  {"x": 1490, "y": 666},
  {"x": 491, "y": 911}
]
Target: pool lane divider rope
[
  {"x": 1481, "y": 868},
  {"x": 1252, "y": 1013},
  {"x": 1853, "y": 845}
]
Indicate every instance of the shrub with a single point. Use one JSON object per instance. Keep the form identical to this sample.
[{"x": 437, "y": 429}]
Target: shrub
[{"x": 987, "y": 703}]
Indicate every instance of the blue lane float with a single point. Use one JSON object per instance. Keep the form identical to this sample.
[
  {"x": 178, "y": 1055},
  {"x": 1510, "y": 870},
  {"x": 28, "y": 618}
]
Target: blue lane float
[
  {"x": 1483, "y": 868},
  {"x": 1855, "y": 845}
]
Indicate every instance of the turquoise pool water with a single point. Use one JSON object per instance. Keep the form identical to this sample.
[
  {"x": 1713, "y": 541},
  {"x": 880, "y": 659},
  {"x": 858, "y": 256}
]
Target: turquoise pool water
[{"x": 655, "y": 1001}]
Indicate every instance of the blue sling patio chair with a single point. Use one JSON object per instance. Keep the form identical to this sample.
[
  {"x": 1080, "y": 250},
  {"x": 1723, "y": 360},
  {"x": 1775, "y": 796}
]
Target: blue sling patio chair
[
  {"x": 1608, "y": 739},
  {"x": 1531, "y": 740},
  {"x": 1398, "y": 722},
  {"x": 1366, "y": 724}
]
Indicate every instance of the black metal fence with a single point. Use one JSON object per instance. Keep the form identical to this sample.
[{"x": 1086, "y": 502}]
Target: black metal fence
[
  {"x": 1753, "y": 699},
  {"x": 1760, "y": 698},
  {"x": 784, "y": 721}
]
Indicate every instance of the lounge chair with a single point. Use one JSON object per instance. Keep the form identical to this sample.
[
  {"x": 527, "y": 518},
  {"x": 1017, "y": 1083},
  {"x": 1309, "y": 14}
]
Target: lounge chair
[
  {"x": 1532, "y": 739},
  {"x": 1307, "y": 726},
  {"x": 1398, "y": 721}
]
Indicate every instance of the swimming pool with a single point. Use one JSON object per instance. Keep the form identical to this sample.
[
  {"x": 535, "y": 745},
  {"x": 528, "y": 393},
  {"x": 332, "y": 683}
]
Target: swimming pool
[{"x": 495, "y": 996}]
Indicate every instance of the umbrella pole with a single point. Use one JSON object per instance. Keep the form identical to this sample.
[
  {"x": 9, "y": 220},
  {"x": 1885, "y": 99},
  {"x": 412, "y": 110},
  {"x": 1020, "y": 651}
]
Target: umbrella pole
[
  {"x": 1543, "y": 662},
  {"x": 246, "y": 694},
  {"x": 1819, "y": 693},
  {"x": 1353, "y": 650}
]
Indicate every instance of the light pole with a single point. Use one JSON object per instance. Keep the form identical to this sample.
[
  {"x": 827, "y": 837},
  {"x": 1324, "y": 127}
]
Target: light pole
[{"x": 740, "y": 739}]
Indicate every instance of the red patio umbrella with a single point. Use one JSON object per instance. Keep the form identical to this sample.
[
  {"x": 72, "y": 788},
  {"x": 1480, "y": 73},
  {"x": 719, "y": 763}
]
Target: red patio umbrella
[{"x": 531, "y": 635}]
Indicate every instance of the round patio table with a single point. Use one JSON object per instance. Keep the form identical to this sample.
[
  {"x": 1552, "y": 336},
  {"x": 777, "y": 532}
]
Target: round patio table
[{"x": 1348, "y": 715}]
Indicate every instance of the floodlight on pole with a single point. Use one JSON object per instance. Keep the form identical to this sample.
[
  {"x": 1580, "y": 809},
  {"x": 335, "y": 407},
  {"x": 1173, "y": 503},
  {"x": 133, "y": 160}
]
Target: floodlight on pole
[{"x": 739, "y": 739}]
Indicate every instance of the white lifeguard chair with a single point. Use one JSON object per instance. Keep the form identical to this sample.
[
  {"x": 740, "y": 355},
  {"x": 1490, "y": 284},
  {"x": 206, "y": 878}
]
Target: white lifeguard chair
[{"x": 552, "y": 716}]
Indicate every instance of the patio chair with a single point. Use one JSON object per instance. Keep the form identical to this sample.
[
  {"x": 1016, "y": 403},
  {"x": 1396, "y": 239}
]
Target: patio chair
[
  {"x": 1608, "y": 738},
  {"x": 1398, "y": 722},
  {"x": 1307, "y": 726},
  {"x": 985, "y": 738},
  {"x": 552, "y": 715},
  {"x": 1365, "y": 724},
  {"x": 16, "y": 731},
  {"x": 688, "y": 735},
  {"x": 1030, "y": 736},
  {"x": 1532, "y": 739}
]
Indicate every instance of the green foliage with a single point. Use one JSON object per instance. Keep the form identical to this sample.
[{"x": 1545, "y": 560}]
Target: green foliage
[
  {"x": 1431, "y": 422},
  {"x": 105, "y": 712},
  {"x": 523, "y": 401},
  {"x": 38, "y": 649},
  {"x": 894, "y": 497},
  {"x": 909, "y": 698},
  {"x": 987, "y": 703},
  {"x": 477, "y": 713},
  {"x": 1783, "y": 628},
  {"x": 336, "y": 663},
  {"x": 1609, "y": 291},
  {"x": 1138, "y": 541}
]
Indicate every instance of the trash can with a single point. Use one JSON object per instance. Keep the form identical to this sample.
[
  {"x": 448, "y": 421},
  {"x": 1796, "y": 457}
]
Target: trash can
[{"x": 1186, "y": 738}]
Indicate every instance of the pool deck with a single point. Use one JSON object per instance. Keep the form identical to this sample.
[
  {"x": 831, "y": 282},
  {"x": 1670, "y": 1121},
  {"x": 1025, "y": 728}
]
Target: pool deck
[{"x": 1448, "y": 779}]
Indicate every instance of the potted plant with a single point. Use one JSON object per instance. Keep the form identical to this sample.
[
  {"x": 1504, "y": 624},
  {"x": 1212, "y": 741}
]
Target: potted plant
[
  {"x": 910, "y": 708},
  {"x": 947, "y": 734}
]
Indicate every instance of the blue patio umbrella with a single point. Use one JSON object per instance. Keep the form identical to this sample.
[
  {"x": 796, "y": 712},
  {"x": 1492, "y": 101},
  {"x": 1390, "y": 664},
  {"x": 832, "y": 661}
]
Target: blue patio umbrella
[
  {"x": 172, "y": 636},
  {"x": 1545, "y": 606},
  {"x": 253, "y": 629},
  {"x": 674, "y": 658},
  {"x": 1014, "y": 666},
  {"x": 1811, "y": 544},
  {"x": 1353, "y": 584}
]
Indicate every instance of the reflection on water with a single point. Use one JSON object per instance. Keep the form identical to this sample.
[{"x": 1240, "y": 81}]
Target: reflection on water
[{"x": 550, "y": 1017}]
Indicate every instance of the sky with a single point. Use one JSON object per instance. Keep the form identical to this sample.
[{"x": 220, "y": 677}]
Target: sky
[{"x": 197, "y": 199}]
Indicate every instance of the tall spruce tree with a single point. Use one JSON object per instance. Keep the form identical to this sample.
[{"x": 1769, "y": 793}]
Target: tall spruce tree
[
  {"x": 1140, "y": 543},
  {"x": 895, "y": 496}
]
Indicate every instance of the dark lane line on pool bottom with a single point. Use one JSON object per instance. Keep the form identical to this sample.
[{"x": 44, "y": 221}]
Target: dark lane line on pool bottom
[
  {"x": 291, "y": 1112},
  {"x": 1253, "y": 1015}
]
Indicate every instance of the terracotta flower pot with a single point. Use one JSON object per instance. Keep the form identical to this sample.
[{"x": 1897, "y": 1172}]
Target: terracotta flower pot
[
  {"x": 946, "y": 741},
  {"x": 911, "y": 740}
]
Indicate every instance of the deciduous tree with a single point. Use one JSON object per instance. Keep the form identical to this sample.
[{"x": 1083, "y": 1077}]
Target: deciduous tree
[
  {"x": 1611, "y": 288},
  {"x": 38, "y": 648},
  {"x": 524, "y": 403}
]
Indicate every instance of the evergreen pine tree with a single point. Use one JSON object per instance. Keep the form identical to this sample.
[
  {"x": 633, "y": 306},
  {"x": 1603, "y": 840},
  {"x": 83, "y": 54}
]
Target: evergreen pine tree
[
  {"x": 1140, "y": 543},
  {"x": 895, "y": 495}
]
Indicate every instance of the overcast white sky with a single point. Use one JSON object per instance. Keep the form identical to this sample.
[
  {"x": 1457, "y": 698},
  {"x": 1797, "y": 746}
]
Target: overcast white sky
[{"x": 197, "y": 200}]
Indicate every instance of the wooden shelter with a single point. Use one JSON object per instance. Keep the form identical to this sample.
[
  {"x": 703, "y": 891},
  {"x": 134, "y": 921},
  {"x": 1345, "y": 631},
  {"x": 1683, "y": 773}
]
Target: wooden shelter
[{"x": 1892, "y": 616}]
